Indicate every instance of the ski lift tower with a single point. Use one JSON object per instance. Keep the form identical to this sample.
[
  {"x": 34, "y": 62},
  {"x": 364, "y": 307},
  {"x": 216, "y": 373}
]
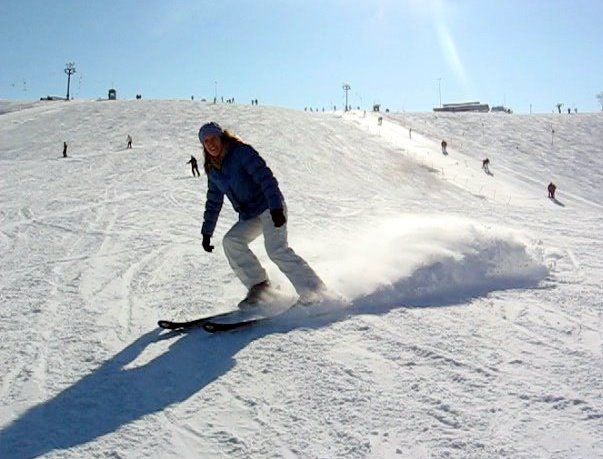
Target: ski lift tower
[
  {"x": 69, "y": 70},
  {"x": 346, "y": 88}
]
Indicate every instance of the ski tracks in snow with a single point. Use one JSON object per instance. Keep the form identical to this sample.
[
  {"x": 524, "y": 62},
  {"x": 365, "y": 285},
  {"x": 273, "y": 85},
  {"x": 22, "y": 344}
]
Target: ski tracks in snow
[{"x": 100, "y": 246}]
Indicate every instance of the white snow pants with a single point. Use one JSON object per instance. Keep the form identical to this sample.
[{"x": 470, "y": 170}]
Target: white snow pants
[{"x": 248, "y": 268}]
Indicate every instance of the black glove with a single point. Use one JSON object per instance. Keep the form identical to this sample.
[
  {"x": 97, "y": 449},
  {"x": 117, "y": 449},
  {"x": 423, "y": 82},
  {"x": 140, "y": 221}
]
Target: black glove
[
  {"x": 278, "y": 217},
  {"x": 206, "y": 245}
]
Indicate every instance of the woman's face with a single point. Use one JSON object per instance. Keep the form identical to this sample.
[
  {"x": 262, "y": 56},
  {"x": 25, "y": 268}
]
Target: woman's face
[{"x": 213, "y": 145}]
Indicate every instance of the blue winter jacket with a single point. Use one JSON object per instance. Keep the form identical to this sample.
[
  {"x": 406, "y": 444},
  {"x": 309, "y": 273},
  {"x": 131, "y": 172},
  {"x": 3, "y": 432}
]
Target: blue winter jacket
[{"x": 247, "y": 182}]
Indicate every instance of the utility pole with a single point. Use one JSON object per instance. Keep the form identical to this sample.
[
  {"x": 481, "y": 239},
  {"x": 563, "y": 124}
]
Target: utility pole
[
  {"x": 69, "y": 70},
  {"x": 346, "y": 88},
  {"x": 440, "y": 91}
]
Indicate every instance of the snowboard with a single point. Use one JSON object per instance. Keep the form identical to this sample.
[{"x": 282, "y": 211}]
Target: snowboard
[
  {"x": 175, "y": 325},
  {"x": 233, "y": 319},
  {"x": 261, "y": 314},
  {"x": 219, "y": 322}
]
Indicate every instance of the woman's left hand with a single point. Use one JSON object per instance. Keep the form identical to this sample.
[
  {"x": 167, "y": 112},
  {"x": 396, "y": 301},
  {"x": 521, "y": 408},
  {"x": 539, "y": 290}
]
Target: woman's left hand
[{"x": 278, "y": 217}]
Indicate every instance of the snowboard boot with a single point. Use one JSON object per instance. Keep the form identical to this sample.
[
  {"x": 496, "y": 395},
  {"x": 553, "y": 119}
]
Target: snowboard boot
[
  {"x": 256, "y": 294},
  {"x": 311, "y": 297}
]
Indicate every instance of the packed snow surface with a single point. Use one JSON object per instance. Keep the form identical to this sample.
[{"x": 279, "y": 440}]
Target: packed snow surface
[{"x": 467, "y": 307}]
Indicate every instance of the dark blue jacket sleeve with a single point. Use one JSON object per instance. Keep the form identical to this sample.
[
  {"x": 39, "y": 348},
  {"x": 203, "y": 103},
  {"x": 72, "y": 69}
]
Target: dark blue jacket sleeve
[{"x": 213, "y": 205}]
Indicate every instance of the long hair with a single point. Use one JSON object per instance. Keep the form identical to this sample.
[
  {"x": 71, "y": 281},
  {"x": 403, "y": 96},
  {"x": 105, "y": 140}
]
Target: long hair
[{"x": 227, "y": 140}]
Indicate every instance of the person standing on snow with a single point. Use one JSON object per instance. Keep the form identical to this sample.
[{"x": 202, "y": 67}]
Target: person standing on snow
[
  {"x": 552, "y": 188},
  {"x": 129, "y": 139},
  {"x": 236, "y": 169},
  {"x": 194, "y": 167},
  {"x": 64, "y": 149},
  {"x": 444, "y": 146}
]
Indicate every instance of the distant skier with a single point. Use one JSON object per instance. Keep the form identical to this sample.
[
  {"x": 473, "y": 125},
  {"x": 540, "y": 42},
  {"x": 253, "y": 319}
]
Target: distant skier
[
  {"x": 129, "y": 139},
  {"x": 236, "y": 169},
  {"x": 380, "y": 121},
  {"x": 64, "y": 149},
  {"x": 444, "y": 146},
  {"x": 552, "y": 188},
  {"x": 194, "y": 168},
  {"x": 486, "y": 165}
]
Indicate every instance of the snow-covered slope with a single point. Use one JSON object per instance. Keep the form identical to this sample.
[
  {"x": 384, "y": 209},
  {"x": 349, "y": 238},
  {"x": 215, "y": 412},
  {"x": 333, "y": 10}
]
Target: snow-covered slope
[{"x": 473, "y": 313}]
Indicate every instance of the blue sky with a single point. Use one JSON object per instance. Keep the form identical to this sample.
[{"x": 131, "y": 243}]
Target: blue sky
[{"x": 295, "y": 53}]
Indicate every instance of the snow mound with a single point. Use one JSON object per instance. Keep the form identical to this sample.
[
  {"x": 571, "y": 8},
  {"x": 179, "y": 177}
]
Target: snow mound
[{"x": 427, "y": 260}]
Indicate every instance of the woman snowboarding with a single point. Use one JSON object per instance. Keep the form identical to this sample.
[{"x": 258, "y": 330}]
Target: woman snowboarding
[{"x": 236, "y": 170}]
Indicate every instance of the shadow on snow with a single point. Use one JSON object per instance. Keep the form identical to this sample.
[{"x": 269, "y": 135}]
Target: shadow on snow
[{"x": 113, "y": 396}]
